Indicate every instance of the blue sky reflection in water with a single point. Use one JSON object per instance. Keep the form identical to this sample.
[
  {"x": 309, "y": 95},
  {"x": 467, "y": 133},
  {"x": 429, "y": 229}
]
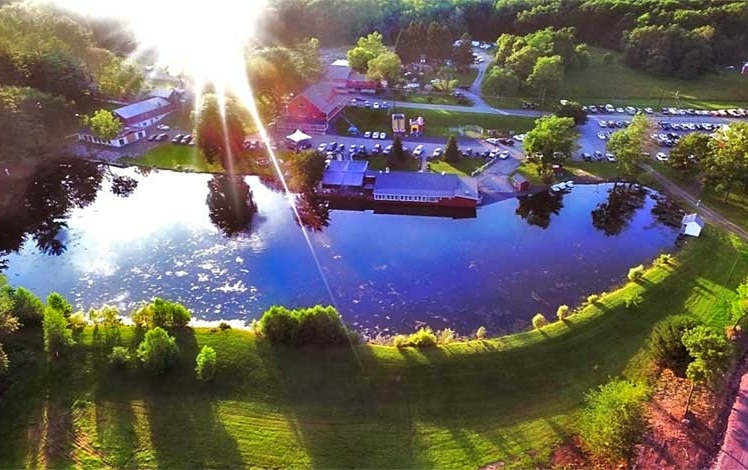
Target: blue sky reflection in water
[{"x": 388, "y": 272}]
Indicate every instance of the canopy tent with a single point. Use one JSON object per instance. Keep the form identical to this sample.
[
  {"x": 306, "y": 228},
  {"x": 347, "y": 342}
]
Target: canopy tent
[{"x": 298, "y": 137}]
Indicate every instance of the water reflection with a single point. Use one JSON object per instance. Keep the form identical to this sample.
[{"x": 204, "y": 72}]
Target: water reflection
[
  {"x": 314, "y": 212},
  {"x": 614, "y": 215},
  {"x": 231, "y": 204},
  {"x": 537, "y": 209}
]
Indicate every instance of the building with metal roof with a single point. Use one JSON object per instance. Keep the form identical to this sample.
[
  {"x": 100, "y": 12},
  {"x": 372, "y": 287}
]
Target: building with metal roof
[
  {"x": 426, "y": 188},
  {"x": 144, "y": 113}
]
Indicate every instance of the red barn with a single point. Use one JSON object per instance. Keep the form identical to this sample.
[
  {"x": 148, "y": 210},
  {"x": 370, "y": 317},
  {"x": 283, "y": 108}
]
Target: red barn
[{"x": 314, "y": 110}]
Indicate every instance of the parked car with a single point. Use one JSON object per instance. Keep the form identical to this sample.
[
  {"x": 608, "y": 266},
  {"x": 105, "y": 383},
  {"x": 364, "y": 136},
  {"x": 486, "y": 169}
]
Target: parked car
[
  {"x": 382, "y": 135},
  {"x": 467, "y": 152},
  {"x": 162, "y": 137},
  {"x": 377, "y": 148},
  {"x": 587, "y": 157},
  {"x": 367, "y": 135},
  {"x": 662, "y": 156},
  {"x": 418, "y": 151},
  {"x": 598, "y": 155},
  {"x": 388, "y": 150},
  {"x": 504, "y": 155},
  {"x": 375, "y": 105},
  {"x": 375, "y": 135},
  {"x": 610, "y": 157},
  {"x": 162, "y": 127},
  {"x": 352, "y": 149},
  {"x": 176, "y": 139},
  {"x": 437, "y": 152},
  {"x": 362, "y": 149},
  {"x": 367, "y": 104},
  {"x": 186, "y": 139},
  {"x": 152, "y": 137},
  {"x": 322, "y": 147},
  {"x": 602, "y": 123}
]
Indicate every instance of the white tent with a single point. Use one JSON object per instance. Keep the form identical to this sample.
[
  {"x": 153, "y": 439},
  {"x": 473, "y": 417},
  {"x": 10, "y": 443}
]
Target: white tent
[
  {"x": 691, "y": 225},
  {"x": 298, "y": 137}
]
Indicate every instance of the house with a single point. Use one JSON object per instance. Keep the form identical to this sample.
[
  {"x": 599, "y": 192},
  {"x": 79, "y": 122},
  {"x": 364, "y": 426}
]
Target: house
[
  {"x": 448, "y": 190},
  {"x": 520, "y": 183},
  {"x": 144, "y": 113},
  {"x": 135, "y": 118},
  {"x": 348, "y": 80},
  {"x": 314, "y": 110},
  {"x": 691, "y": 225},
  {"x": 171, "y": 95}
]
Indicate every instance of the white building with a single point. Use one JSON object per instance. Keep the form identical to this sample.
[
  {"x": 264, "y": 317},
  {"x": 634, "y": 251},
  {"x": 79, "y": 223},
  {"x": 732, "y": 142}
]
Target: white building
[{"x": 691, "y": 225}]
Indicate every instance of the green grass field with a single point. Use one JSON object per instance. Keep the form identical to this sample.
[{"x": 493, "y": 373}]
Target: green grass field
[
  {"x": 434, "y": 98},
  {"x": 174, "y": 156},
  {"x": 618, "y": 84},
  {"x": 463, "y": 167},
  {"x": 509, "y": 399},
  {"x": 437, "y": 122}
]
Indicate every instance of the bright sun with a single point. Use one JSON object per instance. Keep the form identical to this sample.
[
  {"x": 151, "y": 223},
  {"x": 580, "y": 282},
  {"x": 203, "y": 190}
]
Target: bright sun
[{"x": 205, "y": 40}]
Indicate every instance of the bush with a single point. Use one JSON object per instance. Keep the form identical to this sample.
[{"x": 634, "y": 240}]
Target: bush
[
  {"x": 593, "y": 299},
  {"x": 57, "y": 337},
  {"x": 480, "y": 333},
  {"x": 400, "y": 341},
  {"x": 633, "y": 301},
  {"x": 664, "y": 259},
  {"x": 223, "y": 326},
  {"x": 539, "y": 321},
  {"x": 161, "y": 313},
  {"x": 711, "y": 353},
  {"x": 608, "y": 58},
  {"x": 27, "y": 307},
  {"x": 562, "y": 312},
  {"x": 446, "y": 336},
  {"x": 77, "y": 322},
  {"x": 119, "y": 357},
  {"x": 666, "y": 346},
  {"x": 636, "y": 273},
  {"x": 58, "y": 302},
  {"x": 158, "y": 351},
  {"x": 319, "y": 326},
  {"x": 423, "y": 338},
  {"x": 206, "y": 364},
  {"x": 613, "y": 420}
]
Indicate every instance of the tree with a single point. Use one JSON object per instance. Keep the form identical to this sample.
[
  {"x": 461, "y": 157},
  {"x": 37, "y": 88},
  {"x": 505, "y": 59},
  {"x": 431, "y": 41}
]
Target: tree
[
  {"x": 410, "y": 44},
  {"x": 367, "y": 48},
  {"x": 452, "y": 153},
  {"x": 397, "y": 148},
  {"x": 205, "y": 363},
  {"x": 230, "y": 204},
  {"x": 689, "y": 151},
  {"x": 57, "y": 336},
  {"x": 158, "y": 351},
  {"x": 613, "y": 420},
  {"x": 8, "y": 322},
  {"x": 499, "y": 81},
  {"x": 539, "y": 321},
  {"x": 522, "y": 62},
  {"x": 275, "y": 72},
  {"x": 547, "y": 73},
  {"x": 219, "y": 134},
  {"x": 104, "y": 124},
  {"x": 573, "y": 110},
  {"x": 58, "y": 302},
  {"x": 445, "y": 86},
  {"x": 582, "y": 56},
  {"x": 306, "y": 59},
  {"x": 726, "y": 166},
  {"x": 27, "y": 307},
  {"x": 711, "y": 353},
  {"x": 628, "y": 145},
  {"x": 120, "y": 79},
  {"x": 385, "y": 67},
  {"x": 462, "y": 54},
  {"x": 161, "y": 313},
  {"x": 307, "y": 169},
  {"x": 551, "y": 136},
  {"x": 666, "y": 343}
]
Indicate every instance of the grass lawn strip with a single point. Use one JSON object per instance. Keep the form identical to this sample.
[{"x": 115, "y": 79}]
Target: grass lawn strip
[{"x": 510, "y": 399}]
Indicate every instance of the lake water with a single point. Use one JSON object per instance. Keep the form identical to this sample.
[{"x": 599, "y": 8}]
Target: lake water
[{"x": 183, "y": 237}]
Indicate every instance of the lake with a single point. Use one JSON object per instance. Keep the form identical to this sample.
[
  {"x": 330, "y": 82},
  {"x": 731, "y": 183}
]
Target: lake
[{"x": 120, "y": 236}]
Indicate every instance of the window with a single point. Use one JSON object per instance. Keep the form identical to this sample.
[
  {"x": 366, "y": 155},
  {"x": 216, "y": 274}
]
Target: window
[{"x": 121, "y": 142}]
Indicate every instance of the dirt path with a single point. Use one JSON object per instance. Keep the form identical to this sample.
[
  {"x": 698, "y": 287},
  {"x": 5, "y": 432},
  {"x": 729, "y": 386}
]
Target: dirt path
[{"x": 710, "y": 215}]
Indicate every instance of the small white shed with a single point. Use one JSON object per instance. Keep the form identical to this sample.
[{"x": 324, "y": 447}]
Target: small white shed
[{"x": 691, "y": 225}]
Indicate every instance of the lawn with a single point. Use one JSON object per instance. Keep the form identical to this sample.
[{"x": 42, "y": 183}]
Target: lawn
[
  {"x": 176, "y": 157},
  {"x": 434, "y": 98},
  {"x": 462, "y": 167},
  {"x": 463, "y": 78},
  {"x": 621, "y": 85},
  {"x": 380, "y": 162},
  {"x": 461, "y": 406},
  {"x": 437, "y": 122}
]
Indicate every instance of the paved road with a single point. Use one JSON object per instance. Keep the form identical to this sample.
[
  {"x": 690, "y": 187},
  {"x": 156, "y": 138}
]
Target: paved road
[{"x": 733, "y": 455}]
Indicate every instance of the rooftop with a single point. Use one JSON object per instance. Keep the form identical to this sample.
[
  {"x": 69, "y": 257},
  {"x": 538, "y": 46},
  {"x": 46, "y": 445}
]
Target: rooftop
[
  {"x": 426, "y": 184},
  {"x": 141, "y": 107},
  {"x": 345, "y": 173}
]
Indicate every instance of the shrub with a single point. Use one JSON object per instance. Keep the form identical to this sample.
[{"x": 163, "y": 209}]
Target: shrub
[
  {"x": 223, "y": 326},
  {"x": 319, "y": 326},
  {"x": 539, "y": 321},
  {"x": 613, "y": 420},
  {"x": 711, "y": 353},
  {"x": 206, "y": 363},
  {"x": 57, "y": 337},
  {"x": 664, "y": 259},
  {"x": 480, "y": 333},
  {"x": 58, "y": 302},
  {"x": 27, "y": 307},
  {"x": 446, "y": 336},
  {"x": 77, "y": 322},
  {"x": 255, "y": 327},
  {"x": 633, "y": 301},
  {"x": 666, "y": 346},
  {"x": 593, "y": 299},
  {"x": 636, "y": 273},
  {"x": 158, "y": 351},
  {"x": 161, "y": 313},
  {"x": 608, "y": 58},
  {"x": 562, "y": 312},
  {"x": 119, "y": 357},
  {"x": 400, "y": 341},
  {"x": 423, "y": 338}
]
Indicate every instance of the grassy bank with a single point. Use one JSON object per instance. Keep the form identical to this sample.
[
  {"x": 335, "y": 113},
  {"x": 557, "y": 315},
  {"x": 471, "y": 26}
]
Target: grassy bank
[
  {"x": 621, "y": 85},
  {"x": 437, "y": 122},
  {"x": 462, "y": 167},
  {"x": 509, "y": 399}
]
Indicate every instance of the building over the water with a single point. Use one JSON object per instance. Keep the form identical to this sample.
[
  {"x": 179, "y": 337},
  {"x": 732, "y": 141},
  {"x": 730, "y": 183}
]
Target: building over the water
[
  {"x": 351, "y": 178},
  {"x": 134, "y": 118}
]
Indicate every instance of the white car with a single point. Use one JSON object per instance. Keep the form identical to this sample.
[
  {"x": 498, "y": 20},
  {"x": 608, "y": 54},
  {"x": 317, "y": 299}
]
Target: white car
[
  {"x": 519, "y": 137},
  {"x": 437, "y": 152},
  {"x": 367, "y": 135},
  {"x": 382, "y": 135},
  {"x": 418, "y": 151},
  {"x": 620, "y": 110},
  {"x": 163, "y": 127},
  {"x": 322, "y": 147},
  {"x": 602, "y": 123},
  {"x": 375, "y": 135},
  {"x": 375, "y": 105},
  {"x": 661, "y": 156},
  {"x": 504, "y": 155},
  {"x": 648, "y": 110},
  {"x": 602, "y": 135},
  {"x": 610, "y": 157}
]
